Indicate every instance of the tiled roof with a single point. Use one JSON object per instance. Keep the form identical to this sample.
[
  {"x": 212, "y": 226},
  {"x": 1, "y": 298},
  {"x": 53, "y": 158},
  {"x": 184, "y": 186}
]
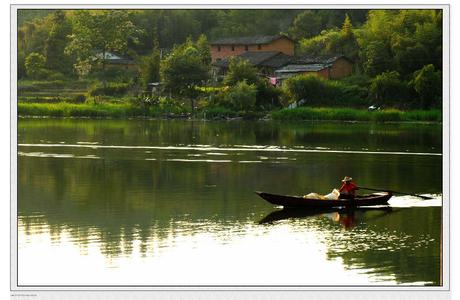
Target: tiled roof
[
  {"x": 271, "y": 59},
  {"x": 114, "y": 58},
  {"x": 294, "y": 68},
  {"x": 320, "y": 59},
  {"x": 248, "y": 40}
]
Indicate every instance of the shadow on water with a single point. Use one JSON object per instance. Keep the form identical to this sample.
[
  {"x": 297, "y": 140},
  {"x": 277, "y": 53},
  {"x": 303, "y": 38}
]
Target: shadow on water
[{"x": 346, "y": 217}]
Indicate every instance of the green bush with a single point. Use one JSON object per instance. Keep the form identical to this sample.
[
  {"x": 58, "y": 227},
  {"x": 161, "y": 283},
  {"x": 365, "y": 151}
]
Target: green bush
[
  {"x": 427, "y": 82},
  {"x": 316, "y": 91},
  {"x": 35, "y": 65},
  {"x": 388, "y": 89},
  {"x": 242, "y": 96},
  {"x": 268, "y": 96},
  {"x": 240, "y": 70},
  {"x": 111, "y": 89}
]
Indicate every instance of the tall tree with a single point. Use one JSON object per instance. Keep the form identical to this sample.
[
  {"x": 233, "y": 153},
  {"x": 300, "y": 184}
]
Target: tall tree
[
  {"x": 204, "y": 50},
  {"x": 305, "y": 25},
  {"x": 183, "y": 70},
  {"x": 95, "y": 33},
  {"x": 56, "y": 42}
]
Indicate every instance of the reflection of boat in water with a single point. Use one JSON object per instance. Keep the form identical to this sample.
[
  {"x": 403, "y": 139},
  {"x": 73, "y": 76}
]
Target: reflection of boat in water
[
  {"x": 299, "y": 201},
  {"x": 345, "y": 216}
]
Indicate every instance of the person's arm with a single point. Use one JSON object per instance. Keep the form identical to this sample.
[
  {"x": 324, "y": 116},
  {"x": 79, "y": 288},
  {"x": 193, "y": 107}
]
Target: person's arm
[{"x": 342, "y": 187}]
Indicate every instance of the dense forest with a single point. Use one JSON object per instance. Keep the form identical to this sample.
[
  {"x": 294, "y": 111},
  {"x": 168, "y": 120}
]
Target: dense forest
[{"x": 397, "y": 54}]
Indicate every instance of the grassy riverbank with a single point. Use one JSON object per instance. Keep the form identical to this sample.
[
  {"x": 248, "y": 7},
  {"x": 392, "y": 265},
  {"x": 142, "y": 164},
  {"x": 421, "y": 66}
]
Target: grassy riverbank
[
  {"x": 350, "y": 114},
  {"x": 111, "y": 110},
  {"x": 103, "y": 110}
]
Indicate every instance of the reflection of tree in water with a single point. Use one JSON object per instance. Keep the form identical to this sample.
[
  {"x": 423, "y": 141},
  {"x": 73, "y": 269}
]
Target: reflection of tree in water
[
  {"x": 122, "y": 199},
  {"x": 404, "y": 244},
  {"x": 117, "y": 203}
]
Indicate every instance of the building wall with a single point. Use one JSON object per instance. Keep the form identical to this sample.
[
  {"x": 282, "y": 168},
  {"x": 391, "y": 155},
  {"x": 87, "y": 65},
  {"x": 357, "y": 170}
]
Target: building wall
[
  {"x": 341, "y": 68},
  {"x": 283, "y": 45}
]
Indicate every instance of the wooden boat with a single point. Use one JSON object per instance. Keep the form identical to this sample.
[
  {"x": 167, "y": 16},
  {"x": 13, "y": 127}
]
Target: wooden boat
[{"x": 299, "y": 201}]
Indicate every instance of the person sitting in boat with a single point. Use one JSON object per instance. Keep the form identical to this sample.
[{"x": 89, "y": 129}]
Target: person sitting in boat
[{"x": 348, "y": 189}]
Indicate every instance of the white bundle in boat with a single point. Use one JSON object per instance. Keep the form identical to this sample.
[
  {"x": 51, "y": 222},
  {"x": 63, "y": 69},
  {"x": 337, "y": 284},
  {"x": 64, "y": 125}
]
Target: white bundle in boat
[{"x": 334, "y": 195}]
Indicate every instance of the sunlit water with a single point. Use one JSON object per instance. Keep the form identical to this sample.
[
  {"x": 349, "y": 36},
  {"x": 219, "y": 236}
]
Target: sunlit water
[{"x": 161, "y": 203}]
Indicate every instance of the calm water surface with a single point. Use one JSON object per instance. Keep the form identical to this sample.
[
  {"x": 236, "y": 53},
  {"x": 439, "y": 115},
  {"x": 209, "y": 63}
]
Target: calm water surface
[{"x": 141, "y": 202}]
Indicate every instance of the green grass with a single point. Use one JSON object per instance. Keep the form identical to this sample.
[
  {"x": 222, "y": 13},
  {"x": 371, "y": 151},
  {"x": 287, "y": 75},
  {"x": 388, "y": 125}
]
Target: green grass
[
  {"x": 350, "y": 114},
  {"x": 126, "y": 110},
  {"x": 103, "y": 110},
  {"x": 78, "y": 110}
]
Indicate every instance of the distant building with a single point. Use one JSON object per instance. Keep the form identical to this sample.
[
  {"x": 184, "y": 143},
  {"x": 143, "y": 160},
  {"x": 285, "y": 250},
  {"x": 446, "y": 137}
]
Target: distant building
[
  {"x": 334, "y": 68},
  {"x": 117, "y": 61},
  {"x": 226, "y": 47}
]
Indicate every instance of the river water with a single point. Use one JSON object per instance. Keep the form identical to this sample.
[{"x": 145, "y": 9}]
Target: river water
[{"x": 172, "y": 203}]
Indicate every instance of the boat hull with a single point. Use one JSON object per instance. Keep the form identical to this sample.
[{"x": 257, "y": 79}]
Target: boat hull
[{"x": 298, "y": 201}]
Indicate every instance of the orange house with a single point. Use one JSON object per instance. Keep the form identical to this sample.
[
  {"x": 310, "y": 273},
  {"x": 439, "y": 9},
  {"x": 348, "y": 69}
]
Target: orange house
[{"x": 226, "y": 47}]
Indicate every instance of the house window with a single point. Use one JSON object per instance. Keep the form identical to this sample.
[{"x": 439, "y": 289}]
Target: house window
[
  {"x": 259, "y": 47},
  {"x": 246, "y": 47},
  {"x": 218, "y": 48},
  {"x": 233, "y": 48}
]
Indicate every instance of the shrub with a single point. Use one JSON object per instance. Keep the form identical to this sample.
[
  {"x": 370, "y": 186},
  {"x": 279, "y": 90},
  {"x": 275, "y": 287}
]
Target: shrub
[
  {"x": 316, "y": 91},
  {"x": 241, "y": 70},
  {"x": 35, "y": 65},
  {"x": 242, "y": 96},
  {"x": 267, "y": 96},
  {"x": 427, "y": 83},
  {"x": 309, "y": 88},
  {"x": 388, "y": 89}
]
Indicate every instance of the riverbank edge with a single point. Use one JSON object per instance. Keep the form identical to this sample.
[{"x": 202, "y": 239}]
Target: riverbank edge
[{"x": 301, "y": 114}]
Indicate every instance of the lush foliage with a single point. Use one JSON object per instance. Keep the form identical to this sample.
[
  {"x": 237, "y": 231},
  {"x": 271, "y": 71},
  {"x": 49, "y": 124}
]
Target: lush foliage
[
  {"x": 242, "y": 96},
  {"x": 241, "y": 70},
  {"x": 35, "y": 64},
  {"x": 100, "y": 32},
  {"x": 397, "y": 54},
  {"x": 427, "y": 83},
  {"x": 183, "y": 70},
  {"x": 387, "y": 88},
  {"x": 311, "y": 90}
]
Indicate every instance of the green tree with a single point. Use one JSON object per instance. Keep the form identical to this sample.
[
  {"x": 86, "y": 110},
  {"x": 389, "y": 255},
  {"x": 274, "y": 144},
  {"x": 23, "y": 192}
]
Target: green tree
[
  {"x": 240, "y": 70},
  {"x": 56, "y": 42},
  {"x": 388, "y": 88},
  {"x": 204, "y": 50},
  {"x": 150, "y": 68},
  {"x": 182, "y": 71},
  {"x": 347, "y": 28},
  {"x": 427, "y": 83},
  {"x": 305, "y": 25},
  {"x": 309, "y": 88},
  {"x": 34, "y": 65},
  {"x": 97, "y": 32},
  {"x": 242, "y": 96},
  {"x": 376, "y": 58}
]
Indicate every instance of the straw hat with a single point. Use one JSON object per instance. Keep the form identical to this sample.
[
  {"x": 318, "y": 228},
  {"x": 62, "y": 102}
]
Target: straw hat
[{"x": 346, "y": 179}]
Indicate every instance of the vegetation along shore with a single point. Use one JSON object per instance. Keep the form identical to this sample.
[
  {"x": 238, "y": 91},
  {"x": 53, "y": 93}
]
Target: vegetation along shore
[{"x": 346, "y": 65}]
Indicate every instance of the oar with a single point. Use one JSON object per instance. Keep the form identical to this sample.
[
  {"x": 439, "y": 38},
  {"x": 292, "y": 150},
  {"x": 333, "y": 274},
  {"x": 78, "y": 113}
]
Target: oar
[{"x": 395, "y": 192}]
